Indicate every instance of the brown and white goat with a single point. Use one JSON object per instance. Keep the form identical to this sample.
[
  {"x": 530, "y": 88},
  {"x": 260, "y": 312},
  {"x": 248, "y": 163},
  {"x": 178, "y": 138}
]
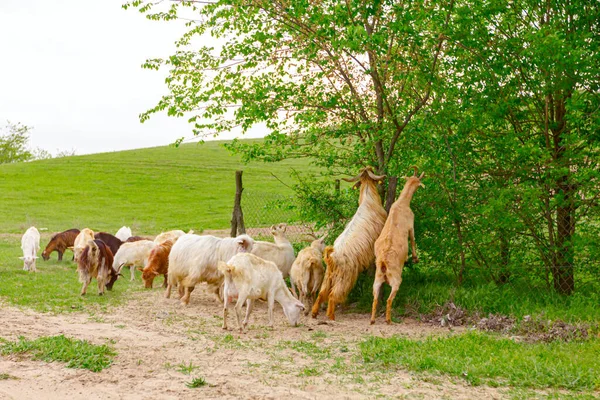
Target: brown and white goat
[
  {"x": 81, "y": 241},
  {"x": 95, "y": 261},
  {"x": 391, "y": 248},
  {"x": 352, "y": 251},
  {"x": 158, "y": 264}
]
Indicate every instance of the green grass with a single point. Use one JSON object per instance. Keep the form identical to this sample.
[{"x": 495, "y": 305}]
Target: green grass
[
  {"x": 196, "y": 383},
  {"x": 76, "y": 353},
  {"x": 55, "y": 287},
  {"x": 485, "y": 359},
  {"x": 153, "y": 189},
  {"x": 186, "y": 369}
]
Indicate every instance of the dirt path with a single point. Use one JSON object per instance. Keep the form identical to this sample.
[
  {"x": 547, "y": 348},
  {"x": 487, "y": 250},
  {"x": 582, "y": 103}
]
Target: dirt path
[{"x": 154, "y": 337}]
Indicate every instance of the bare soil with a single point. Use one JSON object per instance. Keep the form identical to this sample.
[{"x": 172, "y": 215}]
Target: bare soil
[{"x": 155, "y": 337}]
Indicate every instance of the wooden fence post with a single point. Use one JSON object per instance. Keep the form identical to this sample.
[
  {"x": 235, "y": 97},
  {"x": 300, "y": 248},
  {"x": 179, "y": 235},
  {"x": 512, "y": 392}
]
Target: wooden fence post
[{"x": 237, "y": 218}]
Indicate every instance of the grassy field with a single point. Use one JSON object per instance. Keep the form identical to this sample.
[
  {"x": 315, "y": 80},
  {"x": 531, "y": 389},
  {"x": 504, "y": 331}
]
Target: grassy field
[{"x": 151, "y": 190}]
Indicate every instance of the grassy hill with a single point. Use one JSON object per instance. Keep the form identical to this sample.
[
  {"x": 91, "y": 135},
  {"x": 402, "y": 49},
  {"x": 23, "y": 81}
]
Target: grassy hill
[{"x": 154, "y": 189}]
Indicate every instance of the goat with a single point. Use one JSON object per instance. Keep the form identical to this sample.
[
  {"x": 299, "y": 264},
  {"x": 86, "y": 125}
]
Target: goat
[
  {"x": 59, "y": 243},
  {"x": 113, "y": 242},
  {"x": 193, "y": 259},
  {"x": 170, "y": 235},
  {"x": 30, "y": 244},
  {"x": 95, "y": 261},
  {"x": 281, "y": 252},
  {"x": 391, "y": 248},
  {"x": 135, "y": 239},
  {"x": 158, "y": 263},
  {"x": 352, "y": 251},
  {"x": 132, "y": 254},
  {"x": 307, "y": 273},
  {"x": 250, "y": 278},
  {"x": 81, "y": 241},
  {"x": 123, "y": 233}
]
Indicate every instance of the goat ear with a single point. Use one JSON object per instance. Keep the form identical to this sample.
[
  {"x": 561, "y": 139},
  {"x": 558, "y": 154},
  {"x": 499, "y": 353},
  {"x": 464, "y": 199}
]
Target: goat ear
[
  {"x": 21, "y": 258},
  {"x": 423, "y": 186},
  {"x": 140, "y": 269},
  {"x": 300, "y": 306}
]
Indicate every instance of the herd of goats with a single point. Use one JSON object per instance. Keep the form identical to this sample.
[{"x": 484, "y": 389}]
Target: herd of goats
[{"x": 244, "y": 269}]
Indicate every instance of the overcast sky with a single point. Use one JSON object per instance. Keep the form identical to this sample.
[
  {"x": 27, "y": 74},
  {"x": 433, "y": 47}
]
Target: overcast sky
[{"x": 71, "y": 69}]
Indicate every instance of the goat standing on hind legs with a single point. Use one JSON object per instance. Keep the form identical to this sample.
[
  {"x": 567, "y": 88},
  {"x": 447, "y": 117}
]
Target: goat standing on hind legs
[
  {"x": 391, "y": 248},
  {"x": 352, "y": 251}
]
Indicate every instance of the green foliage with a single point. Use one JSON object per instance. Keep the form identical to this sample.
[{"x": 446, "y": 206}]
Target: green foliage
[
  {"x": 76, "y": 353},
  {"x": 13, "y": 144},
  {"x": 485, "y": 359}
]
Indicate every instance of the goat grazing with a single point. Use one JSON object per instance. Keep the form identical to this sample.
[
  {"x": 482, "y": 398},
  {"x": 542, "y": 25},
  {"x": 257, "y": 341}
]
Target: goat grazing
[
  {"x": 132, "y": 254},
  {"x": 307, "y": 273},
  {"x": 30, "y": 244},
  {"x": 158, "y": 264},
  {"x": 95, "y": 261},
  {"x": 59, "y": 243},
  {"x": 352, "y": 251},
  {"x": 391, "y": 248},
  {"x": 193, "y": 259},
  {"x": 81, "y": 241},
  {"x": 123, "y": 233},
  {"x": 250, "y": 278},
  {"x": 281, "y": 252}
]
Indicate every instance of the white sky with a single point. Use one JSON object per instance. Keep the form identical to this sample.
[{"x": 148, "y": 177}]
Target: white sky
[{"x": 72, "y": 70}]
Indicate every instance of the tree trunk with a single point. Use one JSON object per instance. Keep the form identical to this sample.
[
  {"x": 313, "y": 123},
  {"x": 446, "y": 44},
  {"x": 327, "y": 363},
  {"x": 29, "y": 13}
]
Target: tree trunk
[
  {"x": 562, "y": 271},
  {"x": 391, "y": 192},
  {"x": 237, "y": 218}
]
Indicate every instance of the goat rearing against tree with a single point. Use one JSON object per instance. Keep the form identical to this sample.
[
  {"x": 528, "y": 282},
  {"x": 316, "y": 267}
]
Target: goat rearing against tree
[
  {"x": 391, "y": 248},
  {"x": 352, "y": 251}
]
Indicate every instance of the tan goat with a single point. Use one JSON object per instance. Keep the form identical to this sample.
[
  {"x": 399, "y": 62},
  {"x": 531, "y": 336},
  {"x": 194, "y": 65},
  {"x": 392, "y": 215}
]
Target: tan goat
[
  {"x": 307, "y": 273},
  {"x": 352, "y": 251},
  {"x": 391, "y": 248}
]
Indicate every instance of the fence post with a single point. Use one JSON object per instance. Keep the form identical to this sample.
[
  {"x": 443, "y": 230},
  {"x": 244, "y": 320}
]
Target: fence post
[
  {"x": 237, "y": 218},
  {"x": 391, "y": 192}
]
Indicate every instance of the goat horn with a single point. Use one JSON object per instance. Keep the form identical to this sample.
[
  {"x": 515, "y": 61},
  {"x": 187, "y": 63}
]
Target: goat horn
[
  {"x": 422, "y": 175},
  {"x": 416, "y": 170},
  {"x": 351, "y": 179},
  {"x": 375, "y": 177}
]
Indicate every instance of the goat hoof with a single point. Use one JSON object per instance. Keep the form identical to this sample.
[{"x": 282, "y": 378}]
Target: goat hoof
[{"x": 372, "y": 322}]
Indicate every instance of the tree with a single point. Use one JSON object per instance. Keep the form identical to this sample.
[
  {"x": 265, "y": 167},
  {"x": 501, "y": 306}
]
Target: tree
[{"x": 13, "y": 143}]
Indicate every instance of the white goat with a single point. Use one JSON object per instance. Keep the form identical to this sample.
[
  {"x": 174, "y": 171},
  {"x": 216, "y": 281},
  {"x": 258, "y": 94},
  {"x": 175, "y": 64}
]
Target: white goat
[
  {"x": 353, "y": 251},
  {"x": 281, "y": 252},
  {"x": 194, "y": 259},
  {"x": 133, "y": 254},
  {"x": 307, "y": 273},
  {"x": 81, "y": 241},
  {"x": 170, "y": 235},
  {"x": 124, "y": 233},
  {"x": 250, "y": 278},
  {"x": 30, "y": 244}
]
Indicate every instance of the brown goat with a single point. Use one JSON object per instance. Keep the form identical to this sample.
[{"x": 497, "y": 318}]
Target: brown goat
[
  {"x": 158, "y": 264},
  {"x": 59, "y": 243},
  {"x": 96, "y": 262},
  {"x": 134, "y": 239},
  {"x": 352, "y": 251},
  {"x": 111, "y": 241},
  {"x": 391, "y": 248}
]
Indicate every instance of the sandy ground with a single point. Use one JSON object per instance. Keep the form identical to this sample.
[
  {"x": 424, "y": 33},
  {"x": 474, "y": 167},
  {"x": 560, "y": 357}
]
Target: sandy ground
[{"x": 154, "y": 336}]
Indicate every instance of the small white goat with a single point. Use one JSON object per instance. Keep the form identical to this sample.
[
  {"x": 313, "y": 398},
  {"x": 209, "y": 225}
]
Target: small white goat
[
  {"x": 194, "y": 259},
  {"x": 250, "y": 278},
  {"x": 30, "y": 244},
  {"x": 170, "y": 235},
  {"x": 81, "y": 241},
  {"x": 281, "y": 252},
  {"x": 133, "y": 254},
  {"x": 124, "y": 233},
  {"x": 307, "y": 273}
]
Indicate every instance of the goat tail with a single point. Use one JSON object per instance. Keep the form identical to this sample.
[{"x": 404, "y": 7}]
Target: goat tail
[{"x": 327, "y": 256}]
